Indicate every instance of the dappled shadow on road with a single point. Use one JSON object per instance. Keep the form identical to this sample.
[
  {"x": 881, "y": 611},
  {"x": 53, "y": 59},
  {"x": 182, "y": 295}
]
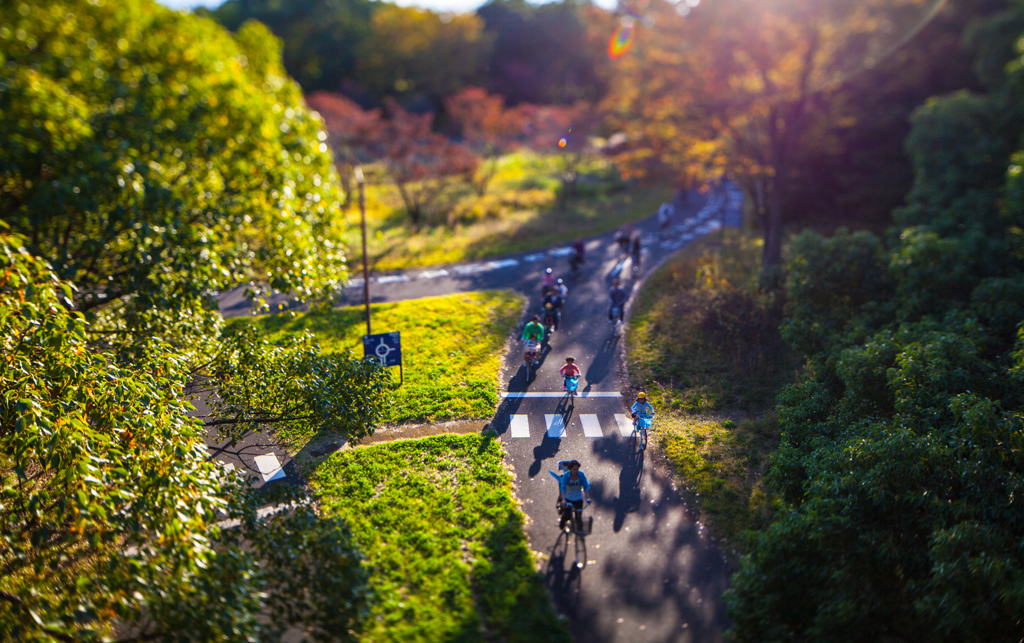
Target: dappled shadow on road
[
  {"x": 669, "y": 570},
  {"x": 603, "y": 361},
  {"x": 624, "y": 452}
]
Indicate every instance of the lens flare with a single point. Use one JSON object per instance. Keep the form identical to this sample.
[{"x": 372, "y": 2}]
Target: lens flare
[
  {"x": 562, "y": 142},
  {"x": 621, "y": 40}
]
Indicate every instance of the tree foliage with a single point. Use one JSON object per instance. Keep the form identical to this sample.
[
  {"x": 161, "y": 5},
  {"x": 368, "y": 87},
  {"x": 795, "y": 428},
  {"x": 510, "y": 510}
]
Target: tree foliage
[
  {"x": 111, "y": 510},
  {"x": 902, "y": 459},
  {"x": 152, "y": 158},
  {"x": 322, "y": 38}
]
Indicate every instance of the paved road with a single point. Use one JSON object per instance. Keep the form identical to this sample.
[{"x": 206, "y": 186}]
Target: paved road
[{"x": 651, "y": 572}]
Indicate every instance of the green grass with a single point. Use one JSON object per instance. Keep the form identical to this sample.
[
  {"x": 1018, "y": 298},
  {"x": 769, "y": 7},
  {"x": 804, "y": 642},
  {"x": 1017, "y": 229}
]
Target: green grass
[
  {"x": 704, "y": 341},
  {"x": 444, "y": 540},
  {"x": 451, "y": 348},
  {"x": 721, "y": 464},
  {"x": 518, "y": 213}
]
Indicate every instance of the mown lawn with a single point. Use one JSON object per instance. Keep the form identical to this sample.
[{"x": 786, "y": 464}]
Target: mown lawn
[
  {"x": 519, "y": 212},
  {"x": 451, "y": 348},
  {"x": 703, "y": 340},
  {"x": 444, "y": 540}
]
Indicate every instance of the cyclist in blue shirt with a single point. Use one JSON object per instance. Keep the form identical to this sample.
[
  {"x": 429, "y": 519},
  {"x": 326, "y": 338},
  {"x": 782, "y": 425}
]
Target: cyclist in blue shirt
[
  {"x": 641, "y": 407},
  {"x": 573, "y": 489}
]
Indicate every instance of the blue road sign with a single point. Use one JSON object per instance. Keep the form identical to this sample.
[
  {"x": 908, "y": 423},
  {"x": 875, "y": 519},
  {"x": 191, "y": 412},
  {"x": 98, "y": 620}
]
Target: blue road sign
[{"x": 384, "y": 347}]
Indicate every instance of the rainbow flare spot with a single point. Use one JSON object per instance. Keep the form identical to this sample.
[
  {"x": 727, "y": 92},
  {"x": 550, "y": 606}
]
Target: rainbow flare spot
[
  {"x": 621, "y": 40},
  {"x": 562, "y": 142}
]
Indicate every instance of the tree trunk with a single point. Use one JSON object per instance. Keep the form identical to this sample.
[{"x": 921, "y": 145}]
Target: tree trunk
[{"x": 773, "y": 222}]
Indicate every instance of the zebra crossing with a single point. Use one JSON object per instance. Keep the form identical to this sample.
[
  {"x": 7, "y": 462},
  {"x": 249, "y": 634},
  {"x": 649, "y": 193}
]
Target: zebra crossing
[{"x": 586, "y": 424}]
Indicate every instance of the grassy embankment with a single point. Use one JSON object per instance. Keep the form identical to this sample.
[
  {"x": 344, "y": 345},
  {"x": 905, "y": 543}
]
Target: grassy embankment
[
  {"x": 444, "y": 540},
  {"x": 519, "y": 212},
  {"x": 451, "y": 348},
  {"x": 704, "y": 341}
]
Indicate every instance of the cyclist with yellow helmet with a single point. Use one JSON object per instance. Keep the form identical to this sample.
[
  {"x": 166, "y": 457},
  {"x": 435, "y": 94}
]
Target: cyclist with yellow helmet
[{"x": 641, "y": 408}]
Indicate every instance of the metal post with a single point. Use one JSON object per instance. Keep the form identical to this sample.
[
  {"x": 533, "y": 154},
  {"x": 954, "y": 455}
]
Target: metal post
[{"x": 362, "y": 224}]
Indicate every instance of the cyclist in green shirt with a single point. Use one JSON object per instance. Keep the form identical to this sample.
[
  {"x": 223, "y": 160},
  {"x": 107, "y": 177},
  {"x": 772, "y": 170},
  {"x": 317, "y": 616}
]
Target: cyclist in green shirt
[{"x": 534, "y": 331}]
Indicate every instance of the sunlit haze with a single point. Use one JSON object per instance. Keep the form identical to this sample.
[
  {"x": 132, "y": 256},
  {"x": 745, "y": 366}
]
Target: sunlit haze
[{"x": 436, "y": 5}]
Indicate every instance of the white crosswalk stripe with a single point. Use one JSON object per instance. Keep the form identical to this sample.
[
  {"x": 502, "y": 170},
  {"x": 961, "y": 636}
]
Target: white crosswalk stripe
[
  {"x": 591, "y": 426},
  {"x": 269, "y": 467},
  {"x": 519, "y": 426},
  {"x": 625, "y": 425},
  {"x": 556, "y": 426}
]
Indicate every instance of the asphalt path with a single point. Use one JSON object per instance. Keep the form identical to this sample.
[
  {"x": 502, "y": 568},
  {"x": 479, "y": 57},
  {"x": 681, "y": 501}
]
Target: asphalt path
[{"x": 650, "y": 571}]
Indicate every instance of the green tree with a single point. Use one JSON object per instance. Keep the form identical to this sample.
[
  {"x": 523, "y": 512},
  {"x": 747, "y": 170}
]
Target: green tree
[
  {"x": 902, "y": 458},
  {"x": 321, "y": 37},
  {"x": 413, "y": 52},
  {"x": 152, "y": 159},
  {"x": 112, "y": 512}
]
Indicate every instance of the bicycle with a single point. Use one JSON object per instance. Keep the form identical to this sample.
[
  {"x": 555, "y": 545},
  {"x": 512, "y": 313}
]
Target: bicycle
[
  {"x": 571, "y": 384},
  {"x": 616, "y": 319},
  {"x": 640, "y": 425},
  {"x": 531, "y": 358},
  {"x": 569, "y": 516}
]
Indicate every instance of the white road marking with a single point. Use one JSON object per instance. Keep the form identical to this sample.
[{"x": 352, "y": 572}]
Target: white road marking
[
  {"x": 536, "y": 257},
  {"x": 625, "y": 425},
  {"x": 560, "y": 252},
  {"x": 269, "y": 467},
  {"x": 519, "y": 426},
  {"x": 471, "y": 269},
  {"x": 432, "y": 274},
  {"x": 354, "y": 283},
  {"x": 504, "y": 263},
  {"x": 591, "y": 426},
  {"x": 520, "y": 394},
  {"x": 391, "y": 279},
  {"x": 556, "y": 426}
]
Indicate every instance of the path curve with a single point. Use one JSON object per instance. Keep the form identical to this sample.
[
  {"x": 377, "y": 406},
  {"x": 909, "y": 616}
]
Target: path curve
[{"x": 652, "y": 572}]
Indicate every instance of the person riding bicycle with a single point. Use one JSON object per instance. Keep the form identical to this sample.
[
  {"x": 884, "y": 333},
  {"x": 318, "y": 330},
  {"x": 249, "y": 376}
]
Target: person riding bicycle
[
  {"x": 569, "y": 370},
  {"x": 576, "y": 256},
  {"x": 552, "y": 313},
  {"x": 618, "y": 301},
  {"x": 573, "y": 489},
  {"x": 623, "y": 237},
  {"x": 562, "y": 289},
  {"x": 636, "y": 252},
  {"x": 547, "y": 281},
  {"x": 533, "y": 331},
  {"x": 641, "y": 407}
]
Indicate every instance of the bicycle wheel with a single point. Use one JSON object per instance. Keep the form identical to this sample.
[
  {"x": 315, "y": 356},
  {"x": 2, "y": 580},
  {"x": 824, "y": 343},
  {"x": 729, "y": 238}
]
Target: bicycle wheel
[
  {"x": 643, "y": 439},
  {"x": 581, "y": 551}
]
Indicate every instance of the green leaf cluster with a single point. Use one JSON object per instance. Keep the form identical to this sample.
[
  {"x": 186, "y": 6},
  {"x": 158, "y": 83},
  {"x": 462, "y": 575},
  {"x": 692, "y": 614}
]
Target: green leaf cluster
[
  {"x": 111, "y": 509},
  {"x": 902, "y": 456},
  {"x": 153, "y": 158}
]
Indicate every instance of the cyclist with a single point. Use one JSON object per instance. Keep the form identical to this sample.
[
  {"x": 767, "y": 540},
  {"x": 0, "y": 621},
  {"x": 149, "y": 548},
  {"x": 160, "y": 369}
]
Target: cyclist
[
  {"x": 624, "y": 235},
  {"x": 533, "y": 331},
  {"x": 569, "y": 370},
  {"x": 576, "y": 257},
  {"x": 618, "y": 301},
  {"x": 665, "y": 213},
  {"x": 573, "y": 489},
  {"x": 562, "y": 289},
  {"x": 636, "y": 252},
  {"x": 548, "y": 281},
  {"x": 641, "y": 407}
]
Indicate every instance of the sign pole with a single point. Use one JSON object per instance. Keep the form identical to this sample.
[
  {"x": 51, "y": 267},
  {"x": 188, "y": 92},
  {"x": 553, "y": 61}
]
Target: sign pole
[{"x": 362, "y": 224}]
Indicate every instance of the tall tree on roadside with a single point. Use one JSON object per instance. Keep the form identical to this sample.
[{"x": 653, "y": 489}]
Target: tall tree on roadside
[
  {"x": 151, "y": 158},
  {"x": 755, "y": 79}
]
